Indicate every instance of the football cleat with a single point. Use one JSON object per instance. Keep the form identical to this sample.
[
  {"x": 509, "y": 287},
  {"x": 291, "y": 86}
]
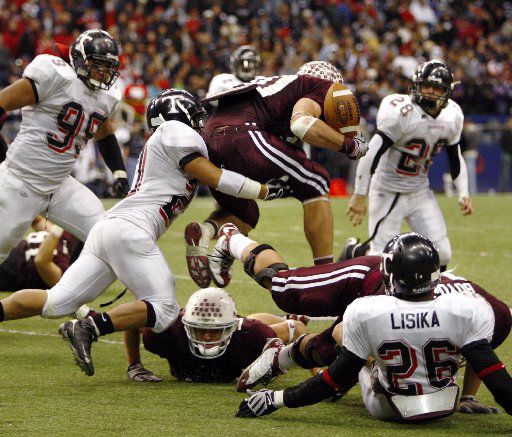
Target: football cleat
[
  {"x": 197, "y": 254},
  {"x": 221, "y": 260},
  {"x": 264, "y": 369},
  {"x": 79, "y": 335},
  {"x": 351, "y": 244}
]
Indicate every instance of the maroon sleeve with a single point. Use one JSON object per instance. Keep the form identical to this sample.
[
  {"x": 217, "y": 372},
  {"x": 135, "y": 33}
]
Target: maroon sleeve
[{"x": 502, "y": 316}]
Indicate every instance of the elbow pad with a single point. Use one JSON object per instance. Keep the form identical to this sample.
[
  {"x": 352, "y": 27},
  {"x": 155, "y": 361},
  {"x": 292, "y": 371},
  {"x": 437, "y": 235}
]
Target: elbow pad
[{"x": 302, "y": 124}]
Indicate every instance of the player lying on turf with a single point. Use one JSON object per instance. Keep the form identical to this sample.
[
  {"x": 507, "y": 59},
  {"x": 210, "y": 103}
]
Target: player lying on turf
[
  {"x": 209, "y": 341},
  {"x": 416, "y": 340},
  {"x": 327, "y": 291},
  {"x": 123, "y": 243}
]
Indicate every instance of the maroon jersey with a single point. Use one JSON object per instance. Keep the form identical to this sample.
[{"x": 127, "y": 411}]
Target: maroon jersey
[
  {"x": 245, "y": 346},
  {"x": 19, "y": 271},
  {"x": 268, "y": 102}
]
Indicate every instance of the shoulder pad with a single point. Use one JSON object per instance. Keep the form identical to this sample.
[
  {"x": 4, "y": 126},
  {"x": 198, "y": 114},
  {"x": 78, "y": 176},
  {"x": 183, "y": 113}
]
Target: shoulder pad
[{"x": 45, "y": 67}]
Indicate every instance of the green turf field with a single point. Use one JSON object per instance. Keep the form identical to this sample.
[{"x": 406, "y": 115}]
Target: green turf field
[{"x": 42, "y": 392}]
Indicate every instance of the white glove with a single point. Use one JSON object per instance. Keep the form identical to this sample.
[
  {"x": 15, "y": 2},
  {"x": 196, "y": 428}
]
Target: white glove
[
  {"x": 260, "y": 403},
  {"x": 360, "y": 148}
]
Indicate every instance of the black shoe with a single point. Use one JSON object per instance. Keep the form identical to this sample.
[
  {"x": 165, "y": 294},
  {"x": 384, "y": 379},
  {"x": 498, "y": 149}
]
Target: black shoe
[
  {"x": 79, "y": 335},
  {"x": 351, "y": 244}
]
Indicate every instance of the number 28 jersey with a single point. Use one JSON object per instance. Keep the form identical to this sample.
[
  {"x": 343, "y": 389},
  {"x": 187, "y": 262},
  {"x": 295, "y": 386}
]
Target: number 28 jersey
[
  {"x": 416, "y": 344},
  {"x": 417, "y": 138},
  {"x": 54, "y": 130}
]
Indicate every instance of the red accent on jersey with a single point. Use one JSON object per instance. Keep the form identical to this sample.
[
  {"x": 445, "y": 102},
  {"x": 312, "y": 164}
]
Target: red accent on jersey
[
  {"x": 164, "y": 216},
  {"x": 491, "y": 369}
]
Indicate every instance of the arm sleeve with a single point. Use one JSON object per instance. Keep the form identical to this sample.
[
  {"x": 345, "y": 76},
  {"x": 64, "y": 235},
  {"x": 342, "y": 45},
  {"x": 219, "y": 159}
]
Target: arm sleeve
[
  {"x": 379, "y": 143},
  {"x": 341, "y": 376},
  {"x": 458, "y": 169},
  {"x": 491, "y": 371},
  {"x": 111, "y": 153}
]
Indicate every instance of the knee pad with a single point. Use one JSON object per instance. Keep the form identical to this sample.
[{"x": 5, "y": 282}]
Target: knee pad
[
  {"x": 52, "y": 311},
  {"x": 310, "y": 359},
  {"x": 161, "y": 314},
  {"x": 268, "y": 272}
]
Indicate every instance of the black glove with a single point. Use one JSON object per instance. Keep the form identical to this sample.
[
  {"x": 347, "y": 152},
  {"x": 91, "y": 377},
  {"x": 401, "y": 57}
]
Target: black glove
[
  {"x": 120, "y": 186},
  {"x": 3, "y": 117},
  {"x": 470, "y": 405},
  {"x": 278, "y": 188},
  {"x": 137, "y": 372},
  {"x": 260, "y": 403}
]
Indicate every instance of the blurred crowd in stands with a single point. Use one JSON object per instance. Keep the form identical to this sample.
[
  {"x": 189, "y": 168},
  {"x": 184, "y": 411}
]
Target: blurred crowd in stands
[{"x": 375, "y": 43}]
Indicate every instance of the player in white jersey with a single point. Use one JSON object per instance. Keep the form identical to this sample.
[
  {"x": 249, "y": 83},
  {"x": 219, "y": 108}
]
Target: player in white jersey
[
  {"x": 63, "y": 106},
  {"x": 415, "y": 340},
  {"x": 411, "y": 130},
  {"x": 123, "y": 243},
  {"x": 244, "y": 63}
]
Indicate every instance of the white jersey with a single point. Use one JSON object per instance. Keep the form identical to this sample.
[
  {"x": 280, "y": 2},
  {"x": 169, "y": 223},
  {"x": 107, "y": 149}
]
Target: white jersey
[
  {"x": 161, "y": 189},
  {"x": 54, "y": 130},
  {"x": 416, "y": 344},
  {"x": 417, "y": 138},
  {"x": 222, "y": 82}
]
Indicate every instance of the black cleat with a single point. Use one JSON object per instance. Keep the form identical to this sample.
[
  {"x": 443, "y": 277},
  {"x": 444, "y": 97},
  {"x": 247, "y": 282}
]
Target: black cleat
[
  {"x": 351, "y": 244},
  {"x": 79, "y": 335}
]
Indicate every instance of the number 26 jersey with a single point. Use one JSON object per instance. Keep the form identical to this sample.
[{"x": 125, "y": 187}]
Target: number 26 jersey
[
  {"x": 417, "y": 138},
  {"x": 54, "y": 130}
]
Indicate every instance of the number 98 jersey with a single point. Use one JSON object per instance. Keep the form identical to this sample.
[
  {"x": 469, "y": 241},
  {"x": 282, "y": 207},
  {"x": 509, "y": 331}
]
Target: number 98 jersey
[
  {"x": 417, "y": 138},
  {"x": 54, "y": 130}
]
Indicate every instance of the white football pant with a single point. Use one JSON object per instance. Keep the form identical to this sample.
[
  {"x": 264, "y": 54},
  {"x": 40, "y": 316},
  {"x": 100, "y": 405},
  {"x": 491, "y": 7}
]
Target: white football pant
[
  {"x": 376, "y": 403},
  {"x": 72, "y": 206},
  {"x": 421, "y": 212},
  {"x": 116, "y": 248}
]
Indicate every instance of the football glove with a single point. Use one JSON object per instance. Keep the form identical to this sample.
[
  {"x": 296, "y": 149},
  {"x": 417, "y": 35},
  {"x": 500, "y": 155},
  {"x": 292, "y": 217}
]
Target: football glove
[
  {"x": 470, "y": 405},
  {"x": 137, "y": 372},
  {"x": 260, "y": 403},
  {"x": 278, "y": 188},
  {"x": 360, "y": 147},
  {"x": 120, "y": 186}
]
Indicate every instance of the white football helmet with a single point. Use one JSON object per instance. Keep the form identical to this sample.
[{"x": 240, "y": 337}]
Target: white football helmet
[
  {"x": 210, "y": 320},
  {"x": 322, "y": 70}
]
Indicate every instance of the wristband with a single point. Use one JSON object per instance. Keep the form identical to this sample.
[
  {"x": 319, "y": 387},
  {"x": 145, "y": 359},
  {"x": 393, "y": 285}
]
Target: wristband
[
  {"x": 279, "y": 398},
  {"x": 56, "y": 231},
  {"x": 118, "y": 174}
]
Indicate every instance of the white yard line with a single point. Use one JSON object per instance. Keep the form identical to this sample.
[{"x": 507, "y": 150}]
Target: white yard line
[{"x": 45, "y": 334}]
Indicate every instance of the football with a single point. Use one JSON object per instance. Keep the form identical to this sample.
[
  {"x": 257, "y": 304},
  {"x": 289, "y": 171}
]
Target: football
[{"x": 341, "y": 110}]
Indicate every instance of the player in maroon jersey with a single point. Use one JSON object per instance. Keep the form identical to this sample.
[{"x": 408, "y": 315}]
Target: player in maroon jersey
[
  {"x": 209, "y": 342},
  {"x": 40, "y": 259},
  {"x": 257, "y": 131},
  {"x": 327, "y": 290}
]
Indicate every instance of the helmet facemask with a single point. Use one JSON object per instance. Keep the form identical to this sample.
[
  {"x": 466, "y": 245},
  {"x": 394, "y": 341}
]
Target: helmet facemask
[
  {"x": 432, "y": 74},
  {"x": 210, "y": 320},
  {"x": 245, "y": 63},
  {"x": 94, "y": 57}
]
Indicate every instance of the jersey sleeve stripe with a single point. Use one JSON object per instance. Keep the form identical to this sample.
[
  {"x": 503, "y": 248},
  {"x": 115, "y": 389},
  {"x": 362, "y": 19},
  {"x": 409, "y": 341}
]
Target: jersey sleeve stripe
[
  {"x": 34, "y": 88},
  {"x": 189, "y": 158},
  {"x": 491, "y": 369}
]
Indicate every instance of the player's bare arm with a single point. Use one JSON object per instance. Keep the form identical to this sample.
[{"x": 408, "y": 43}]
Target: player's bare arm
[
  {"x": 233, "y": 183},
  {"x": 49, "y": 271},
  {"x": 17, "y": 95}
]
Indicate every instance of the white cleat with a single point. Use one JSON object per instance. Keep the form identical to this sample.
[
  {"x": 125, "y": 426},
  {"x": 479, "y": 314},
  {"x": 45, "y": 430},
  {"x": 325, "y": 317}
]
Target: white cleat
[{"x": 221, "y": 260}]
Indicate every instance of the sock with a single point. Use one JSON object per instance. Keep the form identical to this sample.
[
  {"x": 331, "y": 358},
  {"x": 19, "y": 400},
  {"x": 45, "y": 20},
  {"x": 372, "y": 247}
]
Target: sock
[
  {"x": 1, "y": 312},
  {"x": 323, "y": 260},
  {"x": 285, "y": 359},
  {"x": 238, "y": 243},
  {"x": 102, "y": 323},
  {"x": 210, "y": 228}
]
